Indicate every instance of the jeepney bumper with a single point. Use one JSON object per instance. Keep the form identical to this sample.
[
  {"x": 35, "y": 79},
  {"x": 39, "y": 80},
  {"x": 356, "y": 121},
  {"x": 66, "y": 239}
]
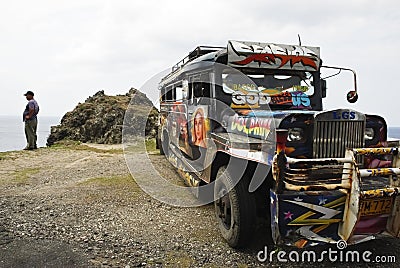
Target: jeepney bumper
[{"x": 328, "y": 200}]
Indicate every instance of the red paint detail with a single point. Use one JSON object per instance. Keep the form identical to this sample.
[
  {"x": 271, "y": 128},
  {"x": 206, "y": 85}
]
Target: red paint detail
[
  {"x": 306, "y": 61},
  {"x": 288, "y": 215},
  {"x": 270, "y": 58},
  {"x": 282, "y": 98},
  {"x": 262, "y": 57},
  {"x": 371, "y": 225},
  {"x": 281, "y": 138}
]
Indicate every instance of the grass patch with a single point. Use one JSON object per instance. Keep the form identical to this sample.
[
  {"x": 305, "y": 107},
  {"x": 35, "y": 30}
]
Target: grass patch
[
  {"x": 77, "y": 145},
  {"x": 65, "y": 144},
  {"x": 150, "y": 145},
  {"x": 84, "y": 147},
  {"x": 119, "y": 190},
  {"x": 22, "y": 176},
  {"x": 4, "y": 155},
  {"x": 135, "y": 145}
]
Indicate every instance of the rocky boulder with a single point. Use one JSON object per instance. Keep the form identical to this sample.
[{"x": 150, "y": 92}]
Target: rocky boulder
[{"x": 100, "y": 119}]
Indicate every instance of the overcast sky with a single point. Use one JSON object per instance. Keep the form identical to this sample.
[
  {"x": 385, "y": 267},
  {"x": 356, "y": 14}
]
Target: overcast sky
[{"x": 65, "y": 51}]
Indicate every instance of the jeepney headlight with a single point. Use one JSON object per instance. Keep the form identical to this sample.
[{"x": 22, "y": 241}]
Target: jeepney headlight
[
  {"x": 295, "y": 134},
  {"x": 369, "y": 133}
]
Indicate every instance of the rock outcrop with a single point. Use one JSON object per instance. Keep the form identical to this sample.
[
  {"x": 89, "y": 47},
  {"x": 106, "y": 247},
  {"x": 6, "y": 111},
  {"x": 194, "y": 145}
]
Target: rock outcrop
[{"x": 100, "y": 119}]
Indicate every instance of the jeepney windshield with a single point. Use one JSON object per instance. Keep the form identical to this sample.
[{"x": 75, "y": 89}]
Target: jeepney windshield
[{"x": 292, "y": 89}]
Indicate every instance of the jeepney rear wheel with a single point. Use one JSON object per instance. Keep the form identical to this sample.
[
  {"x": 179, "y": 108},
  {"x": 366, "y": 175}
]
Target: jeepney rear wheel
[
  {"x": 164, "y": 144},
  {"x": 235, "y": 210}
]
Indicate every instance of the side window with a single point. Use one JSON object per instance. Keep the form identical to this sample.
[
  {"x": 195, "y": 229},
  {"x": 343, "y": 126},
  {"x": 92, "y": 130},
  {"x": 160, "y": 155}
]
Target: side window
[
  {"x": 201, "y": 86},
  {"x": 163, "y": 97},
  {"x": 169, "y": 94},
  {"x": 185, "y": 90},
  {"x": 197, "y": 89},
  {"x": 205, "y": 84},
  {"x": 179, "y": 94}
]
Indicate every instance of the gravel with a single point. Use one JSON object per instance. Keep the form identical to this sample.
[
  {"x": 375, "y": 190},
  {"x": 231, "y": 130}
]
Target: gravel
[{"x": 69, "y": 207}]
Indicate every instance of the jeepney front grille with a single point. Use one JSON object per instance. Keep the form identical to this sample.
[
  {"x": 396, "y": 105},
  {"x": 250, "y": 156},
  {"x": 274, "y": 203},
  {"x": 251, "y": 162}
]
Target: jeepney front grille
[{"x": 331, "y": 138}]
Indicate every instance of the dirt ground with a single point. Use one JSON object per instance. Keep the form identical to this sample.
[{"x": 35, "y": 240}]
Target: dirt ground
[{"x": 78, "y": 206}]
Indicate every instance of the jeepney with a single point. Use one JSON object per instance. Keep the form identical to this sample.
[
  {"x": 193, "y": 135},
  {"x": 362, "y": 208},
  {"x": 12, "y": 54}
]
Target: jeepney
[{"x": 248, "y": 120}]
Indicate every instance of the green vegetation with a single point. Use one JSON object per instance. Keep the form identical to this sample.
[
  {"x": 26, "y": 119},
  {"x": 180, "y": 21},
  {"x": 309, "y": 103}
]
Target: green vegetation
[
  {"x": 115, "y": 181},
  {"x": 136, "y": 145},
  {"x": 150, "y": 145},
  {"x": 4, "y": 155},
  {"x": 21, "y": 177},
  {"x": 121, "y": 189},
  {"x": 77, "y": 145}
]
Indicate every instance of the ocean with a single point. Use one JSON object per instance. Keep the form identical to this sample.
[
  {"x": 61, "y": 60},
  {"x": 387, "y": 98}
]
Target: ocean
[{"x": 12, "y": 136}]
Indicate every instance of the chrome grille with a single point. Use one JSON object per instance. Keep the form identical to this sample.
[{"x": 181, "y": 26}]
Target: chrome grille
[{"x": 331, "y": 138}]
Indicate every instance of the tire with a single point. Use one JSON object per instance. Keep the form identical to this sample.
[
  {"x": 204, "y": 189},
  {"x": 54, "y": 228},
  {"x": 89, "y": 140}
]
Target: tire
[
  {"x": 235, "y": 211},
  {"x": 160, "y": 147},
  {"x": 164, "y": 144}
]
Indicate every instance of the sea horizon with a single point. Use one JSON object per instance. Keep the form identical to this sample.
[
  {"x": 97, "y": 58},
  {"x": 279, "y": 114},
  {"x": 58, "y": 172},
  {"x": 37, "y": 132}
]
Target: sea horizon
[{"x": 12, "y": 135}]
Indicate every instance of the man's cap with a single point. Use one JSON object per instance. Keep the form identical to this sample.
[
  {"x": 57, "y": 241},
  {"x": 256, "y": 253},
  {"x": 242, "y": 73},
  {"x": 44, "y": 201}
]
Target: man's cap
[{"x": 29, "y": 93}]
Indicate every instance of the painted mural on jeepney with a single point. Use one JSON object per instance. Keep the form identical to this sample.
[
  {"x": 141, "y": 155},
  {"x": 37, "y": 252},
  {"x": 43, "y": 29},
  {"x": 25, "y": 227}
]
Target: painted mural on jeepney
[
  {"x": 245, "y": 99},
  {"x": 252, "y": 126},
  {"x": 199, "y": 127},
  {"x": 267, "y": 55},
  {"x": 308, "y": 220}
]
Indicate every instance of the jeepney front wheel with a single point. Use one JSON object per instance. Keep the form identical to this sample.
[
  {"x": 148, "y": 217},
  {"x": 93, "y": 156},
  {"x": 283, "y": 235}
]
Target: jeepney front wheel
[{"x": 235, "y": 210}]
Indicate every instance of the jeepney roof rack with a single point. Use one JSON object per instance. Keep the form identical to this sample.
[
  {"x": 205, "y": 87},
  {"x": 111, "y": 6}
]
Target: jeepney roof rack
[{"x": 197, "y": 52}]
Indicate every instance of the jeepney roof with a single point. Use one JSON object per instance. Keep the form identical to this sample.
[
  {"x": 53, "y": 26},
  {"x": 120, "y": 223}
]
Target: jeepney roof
[{"x": 256, "y": 55}]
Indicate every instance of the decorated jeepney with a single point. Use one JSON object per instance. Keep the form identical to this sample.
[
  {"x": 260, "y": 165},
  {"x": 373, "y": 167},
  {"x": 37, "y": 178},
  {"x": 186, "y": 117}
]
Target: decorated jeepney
[{"x": 245, "y": 126}]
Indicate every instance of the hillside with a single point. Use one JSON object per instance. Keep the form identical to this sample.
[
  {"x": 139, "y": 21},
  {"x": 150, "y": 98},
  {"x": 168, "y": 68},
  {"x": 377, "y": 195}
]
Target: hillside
[{"x": 100, "y": 119}]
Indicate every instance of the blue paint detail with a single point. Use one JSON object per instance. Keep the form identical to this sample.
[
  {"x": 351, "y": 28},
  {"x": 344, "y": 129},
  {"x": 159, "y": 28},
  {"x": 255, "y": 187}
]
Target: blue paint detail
[{"x": 344, "y": 115}]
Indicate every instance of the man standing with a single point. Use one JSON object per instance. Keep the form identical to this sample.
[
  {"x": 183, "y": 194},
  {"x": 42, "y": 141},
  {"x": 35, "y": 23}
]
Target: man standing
[{"x": 30, "y": 119}]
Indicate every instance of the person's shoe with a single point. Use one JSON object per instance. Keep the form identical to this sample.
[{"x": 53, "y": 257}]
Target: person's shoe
[{"x": 28, "y": 148}]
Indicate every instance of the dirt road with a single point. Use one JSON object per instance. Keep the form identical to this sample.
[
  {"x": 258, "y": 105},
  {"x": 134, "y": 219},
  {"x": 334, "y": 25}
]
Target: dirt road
[{"x": 78, "y": 206}]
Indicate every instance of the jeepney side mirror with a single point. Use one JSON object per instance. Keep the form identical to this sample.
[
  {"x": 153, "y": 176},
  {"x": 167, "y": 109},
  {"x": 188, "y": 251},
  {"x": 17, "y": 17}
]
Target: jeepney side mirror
[
  {"x": 323, "y": 88},
  {"x": 352, "y": 96}
]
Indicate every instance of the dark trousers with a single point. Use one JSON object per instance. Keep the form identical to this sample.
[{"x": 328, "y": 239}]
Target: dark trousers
[{"x": 30, "y": 133}]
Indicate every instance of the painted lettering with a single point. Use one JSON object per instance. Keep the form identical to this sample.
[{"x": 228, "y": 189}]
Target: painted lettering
[
  {"x": 251, "y": 126},
  {"x": 300, "y": 99},
  {"x": 347, "y": 115},
  {"x": 250, "y": 98}
]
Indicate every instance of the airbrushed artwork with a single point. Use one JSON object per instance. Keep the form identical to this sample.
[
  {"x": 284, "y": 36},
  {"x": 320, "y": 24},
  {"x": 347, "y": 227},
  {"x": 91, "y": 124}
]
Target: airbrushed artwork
[
  {"x": 251, "y": 125},
  {"x": 198, "y": 127}
]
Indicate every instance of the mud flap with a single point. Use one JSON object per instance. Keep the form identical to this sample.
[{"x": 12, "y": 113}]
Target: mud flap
[{"x": 352, "y": 207}]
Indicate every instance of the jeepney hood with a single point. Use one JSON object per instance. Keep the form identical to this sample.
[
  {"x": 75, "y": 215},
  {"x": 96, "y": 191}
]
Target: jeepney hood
[{"x": 318, "y": 126}]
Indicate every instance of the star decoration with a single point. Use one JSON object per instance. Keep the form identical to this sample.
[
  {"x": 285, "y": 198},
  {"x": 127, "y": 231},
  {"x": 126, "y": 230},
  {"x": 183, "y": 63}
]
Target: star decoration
[
  {"x": 298, "y": 199},
  {"x": 322, "y": 200},
  {"x": 288, "y": 215}
]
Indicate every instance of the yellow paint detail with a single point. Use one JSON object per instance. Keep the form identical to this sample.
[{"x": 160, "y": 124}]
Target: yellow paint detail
[{"x": 304, "y": 219}]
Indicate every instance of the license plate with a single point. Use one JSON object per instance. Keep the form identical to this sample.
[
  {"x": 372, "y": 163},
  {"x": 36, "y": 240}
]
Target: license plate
[{"x": 376, "y": 206}]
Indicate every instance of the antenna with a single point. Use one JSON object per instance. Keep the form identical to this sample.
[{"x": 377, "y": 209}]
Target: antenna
[{"x": 299, "y": 39}]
